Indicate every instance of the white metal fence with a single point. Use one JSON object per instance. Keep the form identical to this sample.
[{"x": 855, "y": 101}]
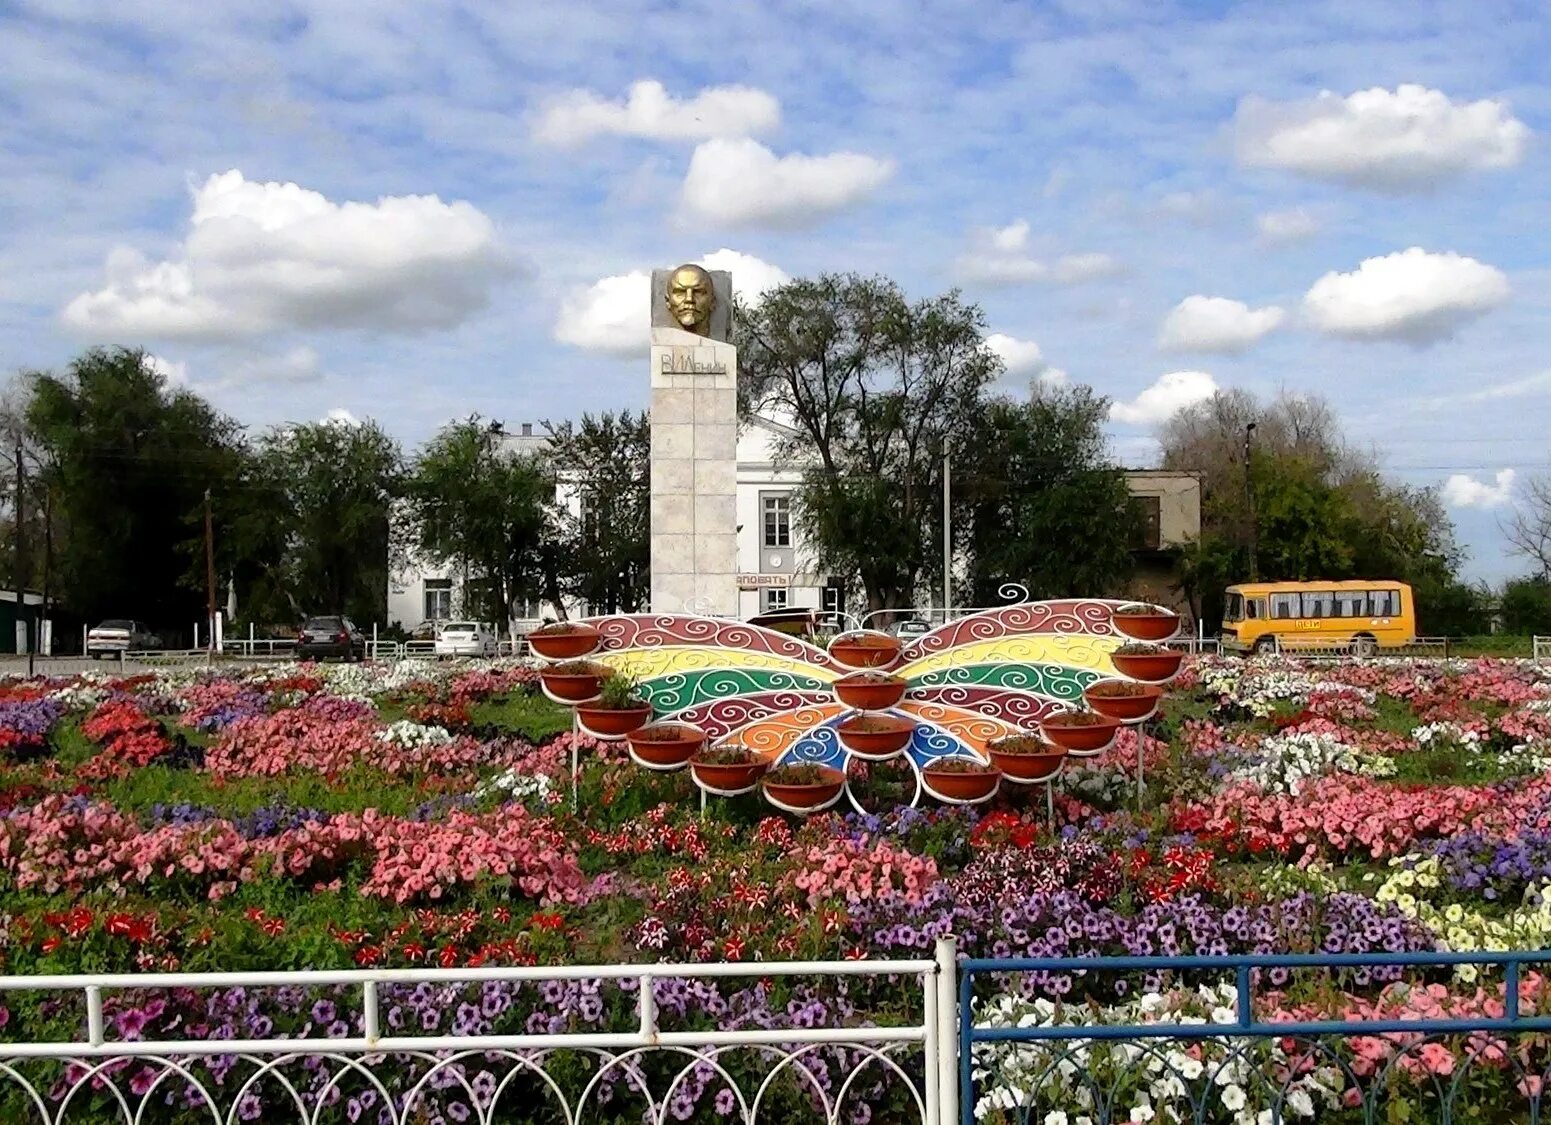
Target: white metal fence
[
  {"x": 1542, "y": 650},
  {"x": 411, "y": 1078}
]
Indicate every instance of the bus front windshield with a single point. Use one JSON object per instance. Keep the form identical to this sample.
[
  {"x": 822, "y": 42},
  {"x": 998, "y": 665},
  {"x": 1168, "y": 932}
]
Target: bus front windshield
[{"x": 1234, "y": 610}]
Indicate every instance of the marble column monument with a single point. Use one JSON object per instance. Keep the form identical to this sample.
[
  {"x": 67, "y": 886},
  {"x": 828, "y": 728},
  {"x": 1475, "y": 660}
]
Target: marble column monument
[{"x": 694, "y": 417}]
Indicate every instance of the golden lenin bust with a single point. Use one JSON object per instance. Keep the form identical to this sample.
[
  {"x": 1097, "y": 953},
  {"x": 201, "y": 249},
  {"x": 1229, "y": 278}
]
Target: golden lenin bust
[{"x": 691, "y": 299}]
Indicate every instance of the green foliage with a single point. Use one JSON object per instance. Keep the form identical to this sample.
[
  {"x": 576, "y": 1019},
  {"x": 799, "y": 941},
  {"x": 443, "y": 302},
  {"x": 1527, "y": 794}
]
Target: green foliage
[
  {"x": 603, "y": 553},
  {"x": 619, "y": 693},
  {"x": 1304, "y": 524},
  {"x": 1525, "y": 606},
  {"x": 876, "y": 390},
  {"x": 473, "y": 504},
  {"x": 127, "y": 459},
  {"x": 1043, "y": 504}
]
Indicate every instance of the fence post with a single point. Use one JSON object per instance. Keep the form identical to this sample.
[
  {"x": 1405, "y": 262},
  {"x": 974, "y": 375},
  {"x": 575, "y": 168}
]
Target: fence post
[{"x": 948, "y": 1045}]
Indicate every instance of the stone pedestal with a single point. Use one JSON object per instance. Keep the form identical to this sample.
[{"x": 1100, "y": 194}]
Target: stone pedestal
[{"x": 694, "y": 416}]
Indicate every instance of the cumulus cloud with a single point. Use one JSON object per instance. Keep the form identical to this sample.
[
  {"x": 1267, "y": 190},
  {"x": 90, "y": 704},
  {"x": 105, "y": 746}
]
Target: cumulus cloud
[
  {"x": 1161, "y": 401},
  {"x": 260, "y": 257},
  {"x": 1276, "y": 227},
  {"x": 650, "y": 111},
  {"x": 742, "y": 183},
  {"x": 1001, "y": 256},
  {"x": 613, "y": 313},
  {"x": 339, "y": 416},
  {"x": 1462, "y": 491},
  {"x": 173, "y": 374},
  {"x": 1411, "y": 295},
  {"x": 1392, "y": 140},
  {"x": 1024, "y": 358},
  {"x": 298, "y": 365},
  {"x": 1216, "y": 324}
]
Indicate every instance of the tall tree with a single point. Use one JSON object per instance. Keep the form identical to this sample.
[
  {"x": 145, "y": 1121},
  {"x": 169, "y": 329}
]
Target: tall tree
[
  {"x": 1528, "y": 530},
  {"x": 879, "y": 391},
  {"x": 474, "y": 504},
  {"x": 605, "y": 546},
  {"x": 1042, "y": 505},
  {"x": 128, "y": 460},
  {"x": 327, "y": 489}
]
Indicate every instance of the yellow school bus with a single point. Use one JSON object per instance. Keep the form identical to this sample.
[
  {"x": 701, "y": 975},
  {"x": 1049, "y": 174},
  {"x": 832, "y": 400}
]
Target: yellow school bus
[{"x": 1366, "y": 614}]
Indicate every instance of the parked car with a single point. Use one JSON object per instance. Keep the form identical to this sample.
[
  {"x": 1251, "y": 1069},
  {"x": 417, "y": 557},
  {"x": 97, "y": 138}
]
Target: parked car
[
  {"x": 909, "y": 628},
  {"x": 322, "y": 637},
  {"x": 466, "y": 638},
  {"x": 117, "y": 636}
]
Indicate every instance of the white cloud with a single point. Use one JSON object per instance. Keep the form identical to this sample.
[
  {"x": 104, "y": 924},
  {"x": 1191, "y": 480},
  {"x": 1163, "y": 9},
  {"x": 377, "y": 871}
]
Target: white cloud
[
  {"x": 741, "y": 182},
  {"x": 1462, "y": 491},
  {"x": 650, "y": 111},
  {"x": 1529, "y": 386},
  {"x": 613, "y": 314},
  {"x": 299, "y": 365},
  {"x": 1000, "y": 256},
  {"x": 1410, "y": 295},
  {"x": 1216, "y": 324},
  {"x": 1295, "y": 223},
  {"x": 1020, "y": 357},
  {"x": 173, "y": 374},
  {"x": 266, "y": 256},
  {"x": 1392, "y": 140},
  {"x": 1159, "y": 402},
  {"x": 339, "y": 416}
]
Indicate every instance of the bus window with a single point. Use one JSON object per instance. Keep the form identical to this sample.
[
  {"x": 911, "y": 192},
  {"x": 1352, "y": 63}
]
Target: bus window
[
  {"x": 1253, "y": 608},
  {"x": 1317, "y": 603},
  {"x": 1351, "y": 603},
  {"x": 1284, "y": 606},
  {"x": 1234, "y": 611},
  {"x": 1383, "y": 603}
]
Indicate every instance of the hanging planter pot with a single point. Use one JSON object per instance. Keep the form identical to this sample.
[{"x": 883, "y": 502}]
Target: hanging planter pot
[
  {"x": 665, "y": 746},
  {"x": 573, "y": 682},
  {"x": 960, "y": 781},
  {"x": 1146, "y": 623},
  {"x": 1080, "y": 733},
  {"x": 1147, "y": 663},
  {"x": 727, "y": 771},
  {"x": 876, "y": 737},
  {"x": 612, "y": 723},
  {"x": 1126, "y": 700},
  {"x": 865, "y": 648},
  {"x": 802, "y": 788},
  {"x": 870, "y": 691},
  {"x": 565, "y": 640},
  {"x": 1026, "y": 758}
]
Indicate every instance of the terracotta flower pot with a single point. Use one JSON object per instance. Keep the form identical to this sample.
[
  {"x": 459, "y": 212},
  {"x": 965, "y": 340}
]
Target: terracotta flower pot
[
  {"x": 574, "y": 640},
  {"x": 876, "y": 737},
  {"x": 1131, "y": 708},
  {"x": 613, "y": 722},
  {"x": 960, "y": 787},
  {"x": 1154, "y": 626},
  {"x": 739, "y": 777},
  {"x": 572, "y": 687},
  {"x": 807, "y": 796},
  {"x": 856, "y": 691},
  {"x": 1025, "y": 769},
  {"x": 1080, "y": 738},
  {"x": 865, "y": 649},
  {"x": 666, "y": 747},
  {"x": 1150, "y": 668}
]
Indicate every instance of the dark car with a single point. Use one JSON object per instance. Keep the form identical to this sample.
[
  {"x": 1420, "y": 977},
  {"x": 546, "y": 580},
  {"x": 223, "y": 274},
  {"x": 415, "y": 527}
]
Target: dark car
[{"x": 322, "y": 637}]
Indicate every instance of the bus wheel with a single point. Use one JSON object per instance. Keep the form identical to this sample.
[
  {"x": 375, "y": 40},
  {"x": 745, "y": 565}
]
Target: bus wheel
[
  {"x": 1265, "y": 646},
  {"x": 1364, "y": 645}
]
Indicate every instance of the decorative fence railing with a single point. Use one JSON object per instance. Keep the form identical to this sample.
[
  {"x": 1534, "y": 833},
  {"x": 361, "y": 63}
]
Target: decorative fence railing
[
  {"x": 367, "y": 1051},
  {"x": 1541, "y": 650},
  {"x": 1225, "y": 1042}
]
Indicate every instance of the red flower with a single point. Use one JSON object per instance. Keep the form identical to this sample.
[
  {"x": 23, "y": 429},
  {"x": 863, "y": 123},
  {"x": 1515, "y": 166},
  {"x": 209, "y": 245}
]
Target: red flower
[{"x": 448, "y": 956}]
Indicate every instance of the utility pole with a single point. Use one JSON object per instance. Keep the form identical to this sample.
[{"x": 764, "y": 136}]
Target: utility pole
[
  {"x": 1249, "y": 506},
  {"x": 947, "y": 534},
  {"x": 210, "y": 577},
  {"x": 20, "y": 556}
]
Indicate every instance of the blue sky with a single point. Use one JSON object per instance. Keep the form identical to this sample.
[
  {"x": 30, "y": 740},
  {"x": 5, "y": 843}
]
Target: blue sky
[{"x": 1155, "y": 198}]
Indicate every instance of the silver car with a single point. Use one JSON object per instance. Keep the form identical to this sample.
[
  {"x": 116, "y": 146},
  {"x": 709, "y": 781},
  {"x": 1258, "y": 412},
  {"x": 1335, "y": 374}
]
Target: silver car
[{"x": 117, "y": 636}]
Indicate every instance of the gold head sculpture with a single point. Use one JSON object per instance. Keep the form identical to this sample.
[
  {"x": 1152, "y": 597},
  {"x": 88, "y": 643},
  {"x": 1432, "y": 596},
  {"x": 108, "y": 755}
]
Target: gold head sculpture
[{"x": 691, "y": 299}]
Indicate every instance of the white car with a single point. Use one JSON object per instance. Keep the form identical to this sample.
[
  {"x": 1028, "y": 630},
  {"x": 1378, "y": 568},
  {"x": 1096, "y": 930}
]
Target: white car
[
  {"x": 466, "y": 638},
  {"x": 117, "y": 636}
]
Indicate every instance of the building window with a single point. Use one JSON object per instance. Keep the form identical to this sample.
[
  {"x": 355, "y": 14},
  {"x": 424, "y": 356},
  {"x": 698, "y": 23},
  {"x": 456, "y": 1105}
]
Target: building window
[
  {"x": 834, "y": 600},
  {"x": 438, "y": 599},
  {"x": 772, "y": 598},
  {"x": 1147, "y": 516},
  {"x": 778, "y": 521}
]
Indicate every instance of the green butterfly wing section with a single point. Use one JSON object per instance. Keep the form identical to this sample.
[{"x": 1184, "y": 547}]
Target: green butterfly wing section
[
  {"x": 1052, "y": 681},
  {"x": 679, "y": 690}
]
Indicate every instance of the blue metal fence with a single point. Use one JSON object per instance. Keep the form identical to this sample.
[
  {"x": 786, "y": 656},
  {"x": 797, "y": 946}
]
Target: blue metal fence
[{"x": 1064, "y": 1065}]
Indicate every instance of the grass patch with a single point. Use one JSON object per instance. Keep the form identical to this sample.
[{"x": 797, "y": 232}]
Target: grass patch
[
  {"x": 359, "y": 789},
  {"x": 530, "y": 716}
]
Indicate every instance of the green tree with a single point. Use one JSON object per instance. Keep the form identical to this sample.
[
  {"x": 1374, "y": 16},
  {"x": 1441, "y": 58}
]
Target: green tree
[
  {"x": 1042, "y": 504},
  {"x": 1525, "y": 606},
  {"x": 877, "y": 391},
  {"x": 128, "y": 460},
  {"x": 322, "y": 494},
  {"x": 605, "y": 547},
  {"x": 474, "y": 504}
]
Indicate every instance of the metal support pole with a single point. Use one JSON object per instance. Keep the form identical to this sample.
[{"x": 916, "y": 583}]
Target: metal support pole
[
  {"x": 576, "y": 759},
  {"x": 948, "y": 1045},
  {"x": 210, "y": 579}
]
